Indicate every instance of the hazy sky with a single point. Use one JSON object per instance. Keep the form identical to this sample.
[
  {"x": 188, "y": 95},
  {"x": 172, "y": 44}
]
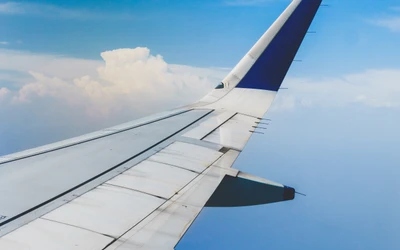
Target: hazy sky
[{"x": 68, "y": 68}]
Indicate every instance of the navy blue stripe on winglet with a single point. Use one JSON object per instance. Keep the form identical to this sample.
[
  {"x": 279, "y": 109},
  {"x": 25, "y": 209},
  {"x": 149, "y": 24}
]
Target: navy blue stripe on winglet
[{"x": 271, "y": 67}]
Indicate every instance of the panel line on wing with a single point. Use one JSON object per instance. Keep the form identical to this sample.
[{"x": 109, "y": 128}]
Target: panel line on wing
[
  {"x": 208, "y": 125},
  {"x": 234, "y": 133},
  {"x": 75, "y": 226},
  {"x": 132, "y": 189},
  {"x": 172, "y": 165},
  {"x": 76, "y": 218},
  {"x": 219, "y": 126},
  {"x": 171, "y": 200},
  {"x": 167, "y": 225},
  {"x": 48, "y": 235},
  {"x": 187, "y": 156}
]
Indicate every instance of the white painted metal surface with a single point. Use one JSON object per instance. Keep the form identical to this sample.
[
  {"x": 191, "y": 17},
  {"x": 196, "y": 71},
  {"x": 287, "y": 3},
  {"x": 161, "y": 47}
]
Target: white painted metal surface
[
  {"x": 233, "y": 78},
  {"x": 52, "y": 146},
  {"x": 4, "y": 158},
  {"x": 154, "y": 178},
  {"x": 187, "y": 156},
  {"x": 147, "y": 119},
  {"x": 112, "y": 209},
  {"x": 107, "y": 210},
  {"x": 240, "y": 70},
  {"x": 209, "y": 125},
  {"x": 48, "y": 235},
  {"x": 254, "y": 102},
  {"x": 235, "y": 133},
  {"x": 90, "y": 136},
  {"x": 258, "y": 179},
  {"x": 228, "y": 159},
  {"x": 164, "y": 227},
  {"x": 45, "y": 176}
]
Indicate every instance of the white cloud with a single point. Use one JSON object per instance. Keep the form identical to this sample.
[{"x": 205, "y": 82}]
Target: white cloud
[
  {"x": 4, "y": 43},
  {"x": 373, "y": 88},
  {"x": 130, "y": 83},
  {"x": 51, "y": 65},
  {"x": 59, "y": 97},
  {"x": 10, "y": 8},
  {"x": 3, "y": 93},
  {"x": 127, "y": 79},
  {"x": 391, "y": 23},
  {"x": 53, "y": 11}
]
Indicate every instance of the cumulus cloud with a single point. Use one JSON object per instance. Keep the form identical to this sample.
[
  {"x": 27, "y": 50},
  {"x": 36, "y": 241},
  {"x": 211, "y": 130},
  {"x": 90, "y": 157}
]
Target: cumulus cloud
[
  {"x": 126, "y": 79},
  {"x": 134, "y": 80},
  {"x": 59, "y": 97},
  {"x": 129, "y": 83},
  {"x": 46, "y": 98}
]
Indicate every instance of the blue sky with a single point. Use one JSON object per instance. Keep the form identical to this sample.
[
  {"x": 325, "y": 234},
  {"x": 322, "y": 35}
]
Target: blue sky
[{"x": 334, "y": 134}]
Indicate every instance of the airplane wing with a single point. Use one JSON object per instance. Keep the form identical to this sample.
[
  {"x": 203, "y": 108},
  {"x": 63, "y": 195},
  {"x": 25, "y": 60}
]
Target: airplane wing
[{"x": 140, "y": 185}]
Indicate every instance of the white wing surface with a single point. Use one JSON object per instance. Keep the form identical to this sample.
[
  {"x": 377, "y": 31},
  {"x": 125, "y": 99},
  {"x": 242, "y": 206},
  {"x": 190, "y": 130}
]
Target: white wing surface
[{"x": 140, "y": 185}]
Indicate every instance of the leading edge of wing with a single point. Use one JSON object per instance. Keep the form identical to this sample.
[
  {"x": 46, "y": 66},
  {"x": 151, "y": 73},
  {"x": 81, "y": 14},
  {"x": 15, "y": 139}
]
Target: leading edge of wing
[{"x": 91, "y": 136}]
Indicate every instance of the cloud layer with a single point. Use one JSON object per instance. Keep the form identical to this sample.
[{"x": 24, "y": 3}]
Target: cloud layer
[
  {"x": 44, "y": 98},
  {"x": 372, "y": 88},
  {"x": 135, "y": 80},
  {"x": 62, "y": 97},
  {"x": 127, "y": 79},
  {"x": 391, "y": 22}
]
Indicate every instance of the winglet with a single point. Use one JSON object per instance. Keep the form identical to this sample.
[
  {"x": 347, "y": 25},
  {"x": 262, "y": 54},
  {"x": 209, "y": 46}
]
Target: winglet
[
  {"x": 252, "y": 85},
  {"x": 266, "y": 64}
]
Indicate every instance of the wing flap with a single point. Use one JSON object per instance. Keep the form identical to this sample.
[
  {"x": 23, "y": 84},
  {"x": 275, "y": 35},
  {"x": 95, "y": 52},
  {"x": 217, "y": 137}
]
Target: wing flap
[
  {"x": 107, "y": 210},
  {"x": 72, "y": 170},
  {"x": 187, "y": 156},
  {"x": 166, "y": 226},
  {"x": 122, "y": 204},
  {"x": 43, "y": 234},
  {"x": 154, "y": 178}
]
